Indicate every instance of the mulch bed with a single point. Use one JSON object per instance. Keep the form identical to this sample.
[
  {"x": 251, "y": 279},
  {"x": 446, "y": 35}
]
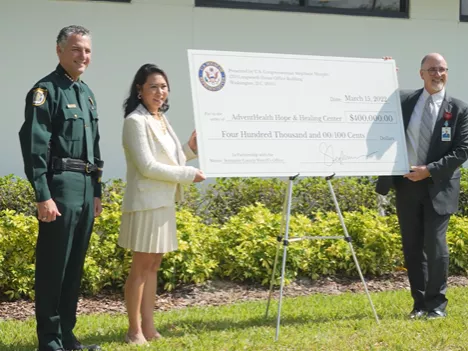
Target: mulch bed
[{"x": 215, "y": 293}]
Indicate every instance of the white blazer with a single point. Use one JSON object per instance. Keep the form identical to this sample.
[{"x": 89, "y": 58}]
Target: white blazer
[{"x": 153, "y": 174}]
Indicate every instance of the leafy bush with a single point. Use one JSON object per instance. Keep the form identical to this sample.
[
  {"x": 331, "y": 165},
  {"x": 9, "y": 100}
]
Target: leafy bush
[
  {"x": 194, "y": 260},
  {"x": 457, "y": 239},
  {"x": 16, "y": 194},
  {"x": 106, "y": 264},
  {"x": 227, "y": 196},
  {"x": 229, "y": 231},
  {"x": 353, "y": 193},
  {"x": 463, "y": 205},
  {"x": 248, "y": 244},
  {"x": 18, "y": 234}
]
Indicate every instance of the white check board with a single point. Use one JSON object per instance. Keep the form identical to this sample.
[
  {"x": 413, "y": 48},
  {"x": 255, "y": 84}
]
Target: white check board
[{"x": 274, "y": 115}]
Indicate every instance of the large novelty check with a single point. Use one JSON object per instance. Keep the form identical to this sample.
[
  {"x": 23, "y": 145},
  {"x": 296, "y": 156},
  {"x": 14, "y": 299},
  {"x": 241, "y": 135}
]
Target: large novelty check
[{"x": 273, "y": 115}]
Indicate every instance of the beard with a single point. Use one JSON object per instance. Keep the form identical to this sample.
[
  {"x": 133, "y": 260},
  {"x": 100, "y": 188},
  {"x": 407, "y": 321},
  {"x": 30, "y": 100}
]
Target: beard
[{"x": 438, "y": 85}]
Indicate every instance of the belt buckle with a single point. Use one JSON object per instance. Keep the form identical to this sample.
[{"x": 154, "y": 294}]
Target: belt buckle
[{"x": 87, "y": 170}]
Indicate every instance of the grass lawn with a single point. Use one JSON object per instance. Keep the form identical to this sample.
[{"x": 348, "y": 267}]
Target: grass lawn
[{"x": 317, "y": 322}]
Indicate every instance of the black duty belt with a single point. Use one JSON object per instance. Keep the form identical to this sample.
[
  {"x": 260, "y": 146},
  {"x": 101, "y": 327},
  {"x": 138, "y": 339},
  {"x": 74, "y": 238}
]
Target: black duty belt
[{"x": 73, "y": 165}]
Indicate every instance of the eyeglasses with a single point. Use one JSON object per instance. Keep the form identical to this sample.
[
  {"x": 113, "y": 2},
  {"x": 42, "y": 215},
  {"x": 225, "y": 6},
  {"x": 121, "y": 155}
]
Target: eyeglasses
[{"x": 433, "y": 71}]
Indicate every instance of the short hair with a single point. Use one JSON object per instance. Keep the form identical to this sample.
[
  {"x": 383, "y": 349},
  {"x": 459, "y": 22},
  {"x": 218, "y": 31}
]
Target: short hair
[
  {"x": 66, "y": 32},
  {"x": 424, "y": 60}
]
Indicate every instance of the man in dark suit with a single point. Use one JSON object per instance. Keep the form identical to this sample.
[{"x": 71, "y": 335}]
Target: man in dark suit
[{"x": 437, "y": 141}]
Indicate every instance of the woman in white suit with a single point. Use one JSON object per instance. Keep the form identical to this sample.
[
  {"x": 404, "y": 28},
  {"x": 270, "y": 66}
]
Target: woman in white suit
[{"x": 155, "y": 171}]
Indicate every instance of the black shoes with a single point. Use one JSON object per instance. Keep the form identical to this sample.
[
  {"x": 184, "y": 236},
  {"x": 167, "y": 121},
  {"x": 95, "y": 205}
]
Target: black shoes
[
  {"x": 434, "y": 314},
  {"x": 78, "y": 346},
  {"x": 416, "y": 313}
]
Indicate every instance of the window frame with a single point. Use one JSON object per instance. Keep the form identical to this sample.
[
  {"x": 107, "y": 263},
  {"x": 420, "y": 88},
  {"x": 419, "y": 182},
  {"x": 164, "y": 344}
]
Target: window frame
[
  {"x": 463, "y": 18},
  {"x": 305, "y": 9}
]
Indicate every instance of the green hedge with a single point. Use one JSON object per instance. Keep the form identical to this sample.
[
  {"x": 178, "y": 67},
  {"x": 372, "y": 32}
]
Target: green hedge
[
  {"x": 217, "y": 202},
  {"x": 243, "y": 249},
  {"x": 229, "y": 231}
]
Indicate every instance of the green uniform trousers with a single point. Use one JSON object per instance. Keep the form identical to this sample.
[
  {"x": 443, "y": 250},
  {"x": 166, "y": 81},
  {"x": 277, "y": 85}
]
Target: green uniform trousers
[{"x": 60, "y": 254}]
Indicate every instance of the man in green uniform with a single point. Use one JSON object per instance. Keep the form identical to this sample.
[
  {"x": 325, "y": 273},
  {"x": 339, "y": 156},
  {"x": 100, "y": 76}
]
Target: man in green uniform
[{"x": 60, "y": 147}]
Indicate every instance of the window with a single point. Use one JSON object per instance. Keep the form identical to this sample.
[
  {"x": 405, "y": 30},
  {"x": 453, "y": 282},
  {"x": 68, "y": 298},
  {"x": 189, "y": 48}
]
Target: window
[
  {"x": 383, "y": 8},
  {"x": 464, "y": 10}
]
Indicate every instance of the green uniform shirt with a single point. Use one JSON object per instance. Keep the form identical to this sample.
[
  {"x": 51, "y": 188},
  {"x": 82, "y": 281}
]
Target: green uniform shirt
[{"x": 59, "y": 113}]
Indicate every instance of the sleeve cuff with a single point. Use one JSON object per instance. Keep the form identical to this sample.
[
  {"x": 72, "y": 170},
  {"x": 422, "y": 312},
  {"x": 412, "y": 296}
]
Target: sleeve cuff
[{"x": 42, "y": 194}]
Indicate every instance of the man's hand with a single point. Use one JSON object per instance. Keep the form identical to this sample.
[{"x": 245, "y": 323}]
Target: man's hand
[
  {"x": 389, "y": 58},
  {"x": 97, "y": 207},
  {"x": 419, "y": 173},
  {"x": 47, "y": 211}
]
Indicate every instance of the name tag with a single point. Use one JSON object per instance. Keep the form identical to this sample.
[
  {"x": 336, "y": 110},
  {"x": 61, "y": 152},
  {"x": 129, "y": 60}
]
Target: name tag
[
  {"x": 71, "y": 106},
  {"x": 446, "y": 133}
]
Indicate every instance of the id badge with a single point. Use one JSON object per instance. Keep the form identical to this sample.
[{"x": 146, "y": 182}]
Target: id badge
[{"x": 446, "y": 133}]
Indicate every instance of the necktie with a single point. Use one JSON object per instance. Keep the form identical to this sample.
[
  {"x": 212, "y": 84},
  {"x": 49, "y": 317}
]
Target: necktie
[
  {"x": 425, "y": 132},
  {"x": 87, "y": 123}
]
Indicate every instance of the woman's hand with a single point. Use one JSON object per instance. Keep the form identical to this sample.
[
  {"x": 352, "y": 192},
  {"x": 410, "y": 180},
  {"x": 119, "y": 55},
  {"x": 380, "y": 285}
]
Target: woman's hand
[
  {"x": 199, "y": 176},
  {"x": 192, "y": 143}
]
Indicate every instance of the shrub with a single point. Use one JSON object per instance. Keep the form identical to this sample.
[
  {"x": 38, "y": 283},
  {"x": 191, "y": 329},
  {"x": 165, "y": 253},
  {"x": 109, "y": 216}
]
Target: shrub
[
  {"x": 17, "y": 194},
  {"x": 18, "y": 234},
  {"x": 463, "y": 205},
  {"x": 457, "y": 239},
  {"x": 107, "y": 264},
  {"x": 194, "y": 260},
  {"x": 240, "y": 240},
  {"x": 227, "y": 196},
  {"x": 248, "y": 244},
  {"x": 313, "y": 195}
]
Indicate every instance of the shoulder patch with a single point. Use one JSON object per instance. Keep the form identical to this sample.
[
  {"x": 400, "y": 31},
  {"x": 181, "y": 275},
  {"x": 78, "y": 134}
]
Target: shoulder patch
[{"x": 39, "y": 96}]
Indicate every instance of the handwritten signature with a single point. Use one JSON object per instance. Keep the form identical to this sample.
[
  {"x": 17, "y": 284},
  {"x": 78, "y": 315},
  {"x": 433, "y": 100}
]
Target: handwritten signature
[{"x": 330, "y": 158}]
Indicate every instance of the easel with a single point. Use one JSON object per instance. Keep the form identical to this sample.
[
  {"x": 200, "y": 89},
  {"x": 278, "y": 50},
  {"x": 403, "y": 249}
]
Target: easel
[{"x": 286, "y": 241}]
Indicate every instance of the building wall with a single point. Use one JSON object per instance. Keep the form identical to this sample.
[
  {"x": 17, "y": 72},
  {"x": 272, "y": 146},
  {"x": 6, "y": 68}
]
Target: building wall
[{"x": 125, "y": 36}]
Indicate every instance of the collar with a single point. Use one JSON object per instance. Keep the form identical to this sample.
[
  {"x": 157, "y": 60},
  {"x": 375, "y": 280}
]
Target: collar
[
  {"x": 143, "y": 109},
  {"x": 62, "y": 73},
  {"x": 437, "y": 98}
]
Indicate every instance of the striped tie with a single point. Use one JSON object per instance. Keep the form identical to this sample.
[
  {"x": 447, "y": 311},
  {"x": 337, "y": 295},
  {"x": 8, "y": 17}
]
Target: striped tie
[{"x": 425, "y": 132}]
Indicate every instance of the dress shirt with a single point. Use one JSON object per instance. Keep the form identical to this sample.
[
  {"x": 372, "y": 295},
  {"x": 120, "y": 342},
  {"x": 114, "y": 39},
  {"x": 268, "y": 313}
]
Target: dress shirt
[{"x": 412, "y": 132}]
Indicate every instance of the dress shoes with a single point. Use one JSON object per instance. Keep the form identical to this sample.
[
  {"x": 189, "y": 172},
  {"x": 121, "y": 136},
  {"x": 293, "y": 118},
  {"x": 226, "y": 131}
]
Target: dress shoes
[
  {"x": 78, "y": 346},
  {"x": 434, "y": 314},
  {"x": 416, "y": 313}
]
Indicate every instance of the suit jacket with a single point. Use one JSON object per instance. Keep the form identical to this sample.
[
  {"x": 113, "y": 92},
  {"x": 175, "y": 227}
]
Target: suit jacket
[
  {"x": 443, "y": 158},
  {"x": 154, "y": 176}
]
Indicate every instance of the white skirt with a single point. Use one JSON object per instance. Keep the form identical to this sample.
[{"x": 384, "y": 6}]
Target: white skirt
[{"x": 152, "y": 231}]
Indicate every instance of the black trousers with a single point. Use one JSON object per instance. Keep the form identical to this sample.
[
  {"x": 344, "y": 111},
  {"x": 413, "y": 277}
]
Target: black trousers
[
  {"x": 424, "y": 242},
  {"x": 60, "y": 254}
]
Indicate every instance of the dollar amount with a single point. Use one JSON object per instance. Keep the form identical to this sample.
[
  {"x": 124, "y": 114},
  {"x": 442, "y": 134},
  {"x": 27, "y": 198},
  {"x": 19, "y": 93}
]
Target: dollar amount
[{"x": 371, "y": 117}]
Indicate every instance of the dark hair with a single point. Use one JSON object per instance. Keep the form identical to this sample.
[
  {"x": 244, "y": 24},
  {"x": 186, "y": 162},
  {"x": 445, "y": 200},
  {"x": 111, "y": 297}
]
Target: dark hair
[{"x": 132, "y": 102}]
